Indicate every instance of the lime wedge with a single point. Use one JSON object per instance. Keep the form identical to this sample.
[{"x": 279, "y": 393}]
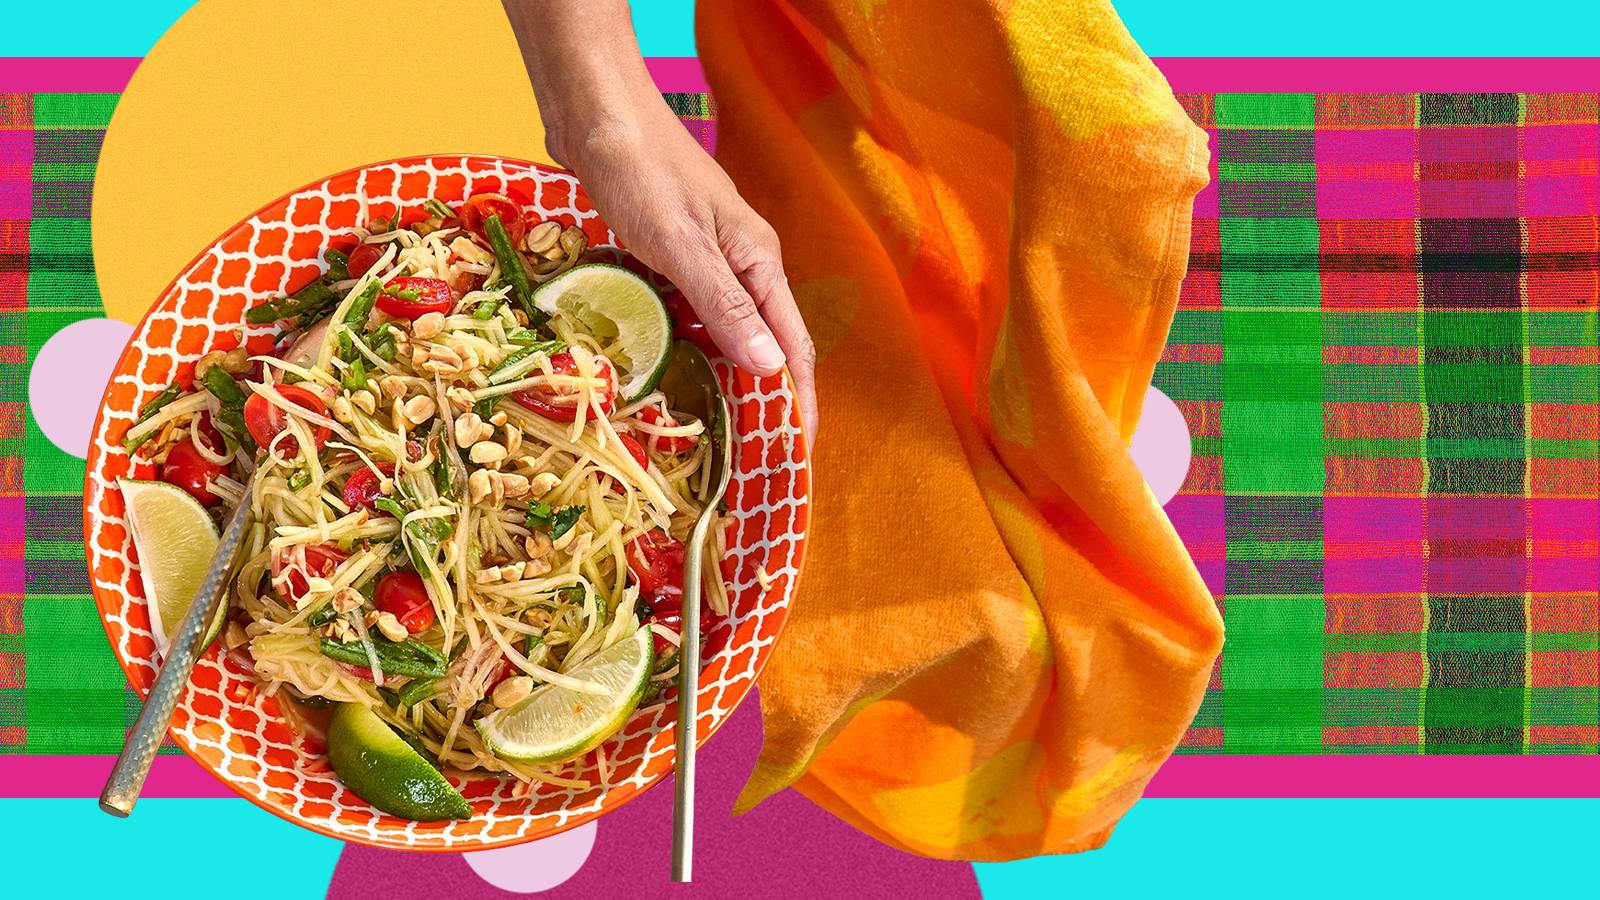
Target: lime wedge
[
  {"x": 382, "y": 769},
  {"x": 175, "y": 538},
  {"x": 554, "y": 723},
  {"x": 623, "y": 312}
]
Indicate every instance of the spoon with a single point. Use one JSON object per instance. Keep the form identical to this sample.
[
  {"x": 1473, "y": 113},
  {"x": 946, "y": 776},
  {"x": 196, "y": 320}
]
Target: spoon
[
  {"x": 128, "y": 775},
  {"x": 693, "y": 387},
  {"x": 133, "y": 764}
]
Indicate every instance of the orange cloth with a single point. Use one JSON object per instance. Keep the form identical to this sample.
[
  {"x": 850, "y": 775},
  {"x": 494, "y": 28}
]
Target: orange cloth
[{"x": 984, "y": 209}]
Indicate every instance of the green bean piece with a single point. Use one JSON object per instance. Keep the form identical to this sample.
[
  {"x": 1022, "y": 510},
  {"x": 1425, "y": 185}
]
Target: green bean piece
[
  {"x": 519, "y": 355},
  {"x": 338, "y": 265},
  {"x": 485, "y": 311},
  {"x": 299, "y": 479},
  {"x": 412, "y": 659},
  {"x": 156, "y": 403},
  {"x": 438, "y": 208},
  {"x": 418, "y": 690},
  {"x": 322, "y": 615},
  {"x": 511, "y": 268},
  {"x": 132, "y": 444}
]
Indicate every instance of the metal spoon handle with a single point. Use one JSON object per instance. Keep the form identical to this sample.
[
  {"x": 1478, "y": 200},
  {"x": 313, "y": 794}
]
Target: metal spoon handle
[
  {"x": 688, "y": 705},
  {"x": 128, "y": 775}
]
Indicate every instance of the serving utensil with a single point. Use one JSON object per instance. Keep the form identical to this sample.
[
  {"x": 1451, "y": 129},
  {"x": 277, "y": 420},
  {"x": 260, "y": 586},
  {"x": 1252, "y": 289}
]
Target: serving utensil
[
  {"x": 139, "y": 753},
  {"x": 693, "y": 385},
  {"x": 133, "y": 765}
]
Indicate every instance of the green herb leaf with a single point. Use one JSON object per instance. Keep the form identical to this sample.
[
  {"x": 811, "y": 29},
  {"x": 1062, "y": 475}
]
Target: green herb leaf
[
  {"x": 390, "y": 506},
  {"x": 565, "y": 518},
  {"x": 355, "y": 377},
  {"x": 382, "y": 343},
  {"x": 540, "y": 515},
  {"x": 224, "y": 388}
]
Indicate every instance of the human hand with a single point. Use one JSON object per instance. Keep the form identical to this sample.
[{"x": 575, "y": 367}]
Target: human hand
[{"x": 666, "y": 199}]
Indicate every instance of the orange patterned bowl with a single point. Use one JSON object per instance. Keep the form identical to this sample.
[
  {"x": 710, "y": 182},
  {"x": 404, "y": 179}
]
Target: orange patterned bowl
[{"x": 239, "y": 734}]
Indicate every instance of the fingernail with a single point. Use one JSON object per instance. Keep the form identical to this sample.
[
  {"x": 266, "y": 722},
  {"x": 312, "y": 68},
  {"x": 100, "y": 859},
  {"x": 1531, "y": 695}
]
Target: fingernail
[{"x": 765, "y": 353}]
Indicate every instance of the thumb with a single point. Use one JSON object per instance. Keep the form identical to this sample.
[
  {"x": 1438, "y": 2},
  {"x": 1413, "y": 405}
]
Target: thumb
[{"x": 725, "y": 308}]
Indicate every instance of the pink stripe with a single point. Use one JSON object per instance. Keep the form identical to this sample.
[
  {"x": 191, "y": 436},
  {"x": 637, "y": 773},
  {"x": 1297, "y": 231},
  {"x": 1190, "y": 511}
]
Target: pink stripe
[
  {"x": 66, "y": 74},
  {"x": 13, "y": 533},
  {"x": 1377, "y": 776},
  {"x": 16, "y": 176},
  {"x": 677, "y": 74},
  {"x": 1206, "y": 203},
  {"x": 85, "y": 776},
  {"x": 1182, "y": 776},
  {"x": 1378, "y": 75}
]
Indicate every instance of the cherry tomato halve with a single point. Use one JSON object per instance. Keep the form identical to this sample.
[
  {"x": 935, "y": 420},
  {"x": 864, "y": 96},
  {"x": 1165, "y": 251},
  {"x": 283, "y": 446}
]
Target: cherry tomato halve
[
  {"x": 668, "y": 445},
  {"x": 266, "y": 420},
  {"x": 560, "y": 402},
  {"x": 185, "y": 467},
  {"x": 363, "y": 258},
  {"x": 673, "y": 621},
  {"x": 290, "y": 579},
  {"x": 364, "y": 487},
  {"x": 481, "y": 206},
  {"x": 686, "y": 325},
  {"x": 433, "y": 295},
  {"x": 635, "y": 450},
  {"x": 405, "y": 596},
  {"x": 655, "y": 560}
]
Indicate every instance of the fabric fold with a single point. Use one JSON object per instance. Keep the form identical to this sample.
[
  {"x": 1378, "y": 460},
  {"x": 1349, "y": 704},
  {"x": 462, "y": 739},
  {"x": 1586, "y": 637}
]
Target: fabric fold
[{"x": 984, "y": 210}]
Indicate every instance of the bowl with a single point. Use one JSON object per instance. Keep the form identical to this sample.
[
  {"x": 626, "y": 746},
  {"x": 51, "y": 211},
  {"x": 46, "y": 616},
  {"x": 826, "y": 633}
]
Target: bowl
[{"x": 240, "y": 735}]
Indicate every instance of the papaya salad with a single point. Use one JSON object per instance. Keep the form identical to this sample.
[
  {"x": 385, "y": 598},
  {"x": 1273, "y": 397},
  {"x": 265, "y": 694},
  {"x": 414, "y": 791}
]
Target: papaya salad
[{"x": 470, "y": 498}]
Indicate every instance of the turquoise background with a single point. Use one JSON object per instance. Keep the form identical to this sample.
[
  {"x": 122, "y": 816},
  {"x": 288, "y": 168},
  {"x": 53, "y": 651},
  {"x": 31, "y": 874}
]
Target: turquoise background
[
  {"x": 1301, "y": 849},
  {"x": 1164, "y": 848},
  {"x": 1163, "y": 27}
]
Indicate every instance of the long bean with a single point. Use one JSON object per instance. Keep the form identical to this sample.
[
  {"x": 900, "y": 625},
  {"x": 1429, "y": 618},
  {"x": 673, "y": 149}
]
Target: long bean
[{"x": 511, "y": 268}]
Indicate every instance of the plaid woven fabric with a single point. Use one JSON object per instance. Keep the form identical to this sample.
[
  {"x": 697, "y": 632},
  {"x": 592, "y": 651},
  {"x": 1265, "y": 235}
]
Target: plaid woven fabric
[
  {"x": 698, "y": 113},
  {"x": 1386, "y": 351},
  {"x": 60, "y": 690}
]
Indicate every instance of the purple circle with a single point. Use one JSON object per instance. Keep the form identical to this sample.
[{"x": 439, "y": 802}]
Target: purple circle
[
  {"x": 538, "y": 865},
  {"x": 68, "y": 380},
  {"x": 785, "y": 848},
  {"x": 1161, "y": 447}
]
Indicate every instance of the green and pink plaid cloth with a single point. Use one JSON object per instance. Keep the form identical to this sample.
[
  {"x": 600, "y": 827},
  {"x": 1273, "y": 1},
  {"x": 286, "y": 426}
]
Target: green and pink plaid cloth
[{"x": 1386, "y": 352}]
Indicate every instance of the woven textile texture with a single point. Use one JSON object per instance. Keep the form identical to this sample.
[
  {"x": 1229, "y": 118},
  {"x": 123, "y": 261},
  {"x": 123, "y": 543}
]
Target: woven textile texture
[{"x": 1386, "y": 351}]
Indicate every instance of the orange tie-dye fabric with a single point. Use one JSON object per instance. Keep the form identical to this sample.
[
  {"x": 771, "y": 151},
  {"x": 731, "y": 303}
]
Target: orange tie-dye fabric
[{"x": 984, "y": 209}]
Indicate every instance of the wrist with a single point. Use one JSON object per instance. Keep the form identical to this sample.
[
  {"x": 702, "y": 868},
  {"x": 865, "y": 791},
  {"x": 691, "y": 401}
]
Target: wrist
[{"x": 588, "y": 76}]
